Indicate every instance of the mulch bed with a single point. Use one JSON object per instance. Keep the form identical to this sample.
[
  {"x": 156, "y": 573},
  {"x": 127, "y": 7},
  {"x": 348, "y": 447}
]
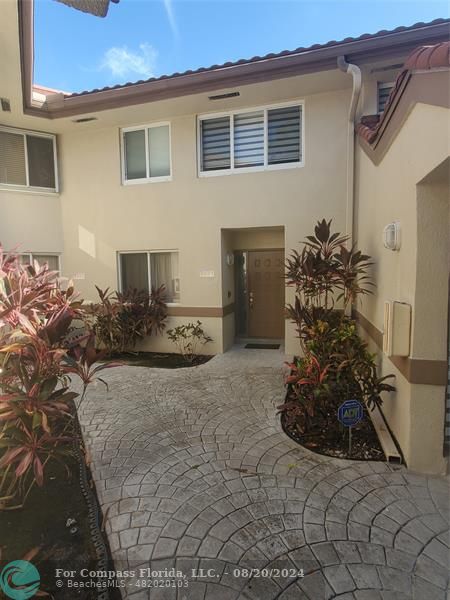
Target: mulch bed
[
  {"x": 159, "y": 360},
  {"x": 56, "y": 519},
  {"x": 327, "y": 436}
]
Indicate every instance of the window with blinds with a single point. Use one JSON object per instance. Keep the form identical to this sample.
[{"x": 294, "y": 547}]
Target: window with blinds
[
  {"x": 249, "y": 140},
  {"x": 257, "y": 139},
  {"x": 384, "y": 89},
  {"x": 284, "y": 135},
  {"x": 27, "y": 160},
  {"x": 146, "y": 153},
  {"x": 216, "y": 143}
]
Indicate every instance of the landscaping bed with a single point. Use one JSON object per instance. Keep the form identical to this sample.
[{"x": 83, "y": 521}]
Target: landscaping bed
[
  {"x": 327, "y": 436},
  {"x": 160, "y": 360},
  {"x": 58, "y": 521},
  {"x": 334, "y": 382}
]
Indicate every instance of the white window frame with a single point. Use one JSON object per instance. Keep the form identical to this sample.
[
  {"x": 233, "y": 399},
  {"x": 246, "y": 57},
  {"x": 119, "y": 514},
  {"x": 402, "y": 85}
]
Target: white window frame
[
  {"x": 27, "y": 187},
  {"x": 149, "y": 268},
  {"x": 232, "y": 170},
  {"x": 146, "y": 179},
  {"x": 31, "y": 254}
]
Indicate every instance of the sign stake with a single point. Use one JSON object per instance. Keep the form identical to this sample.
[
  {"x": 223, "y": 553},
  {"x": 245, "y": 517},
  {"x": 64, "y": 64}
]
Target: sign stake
[{"x": 350, "y": 413}]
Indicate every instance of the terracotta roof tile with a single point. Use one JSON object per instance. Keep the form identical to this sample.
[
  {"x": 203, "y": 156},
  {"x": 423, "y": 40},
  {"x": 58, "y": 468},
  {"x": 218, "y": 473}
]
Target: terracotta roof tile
[
  {"x": 243, "y": 61},
  {"x": 422, "y": 58},
  {"x": 429, "y": 57}
]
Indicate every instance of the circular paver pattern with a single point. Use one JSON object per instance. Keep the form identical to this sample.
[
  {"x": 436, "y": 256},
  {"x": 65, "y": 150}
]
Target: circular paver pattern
[{"x": 193, "y": 471}]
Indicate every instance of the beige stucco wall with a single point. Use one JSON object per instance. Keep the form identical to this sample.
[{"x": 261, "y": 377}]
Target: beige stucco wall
[
  {"x": 416, "y": 274},
  {"x": 30, "y": 222},
  {"x": 97, "y": 216},
  {"x": 101, "y": 216}
]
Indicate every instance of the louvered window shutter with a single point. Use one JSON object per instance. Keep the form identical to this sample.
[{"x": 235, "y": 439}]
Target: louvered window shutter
[
  {"x": 215, "y": 144},
  {"x": 249, "y": 139},
  {"x": 384, "y": 89},
  {"x": 284, "y": 135}
]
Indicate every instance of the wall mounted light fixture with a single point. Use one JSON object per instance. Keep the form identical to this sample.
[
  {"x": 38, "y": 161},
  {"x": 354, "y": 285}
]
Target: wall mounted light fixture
[{"x": 392, "y": 236}]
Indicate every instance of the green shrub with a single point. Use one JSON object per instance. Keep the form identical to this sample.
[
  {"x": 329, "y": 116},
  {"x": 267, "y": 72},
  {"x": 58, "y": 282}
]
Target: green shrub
[
  {"x": 188, "y": 338},
  {"x": 122, "y": 319},
  {"x": 336, "y": 364}
]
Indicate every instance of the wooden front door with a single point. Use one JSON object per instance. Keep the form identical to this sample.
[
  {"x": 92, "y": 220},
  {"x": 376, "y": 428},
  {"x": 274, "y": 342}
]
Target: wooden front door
[{"x": 266, "y": 294}]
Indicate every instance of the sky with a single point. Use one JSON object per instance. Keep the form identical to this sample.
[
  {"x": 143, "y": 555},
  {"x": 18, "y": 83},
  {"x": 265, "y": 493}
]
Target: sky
[{"x": 139, "y": 39}]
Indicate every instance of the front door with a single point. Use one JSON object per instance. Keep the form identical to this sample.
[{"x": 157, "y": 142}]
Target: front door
[{"x": 266, "y": 293}]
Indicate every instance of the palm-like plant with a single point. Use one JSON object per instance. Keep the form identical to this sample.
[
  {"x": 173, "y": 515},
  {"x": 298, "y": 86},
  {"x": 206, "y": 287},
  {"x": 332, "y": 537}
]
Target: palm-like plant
[
  {"x": 36, "y": 360},
  {"x": 327, "y": 274}
]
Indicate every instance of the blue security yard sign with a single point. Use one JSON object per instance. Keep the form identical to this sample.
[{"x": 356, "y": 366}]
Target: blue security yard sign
[{"x": 350, "y": 412}]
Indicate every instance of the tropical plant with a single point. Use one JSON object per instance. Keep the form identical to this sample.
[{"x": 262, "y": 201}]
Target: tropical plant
[
  {"x": 122, "y": 319},
  {"x": 188, "y": 338},
  {"x": 336, "y": 364},
  {"x": 36, "y": 350},
  {"x": 308, "y": 381},
  {"x": 325, "y": 273}
]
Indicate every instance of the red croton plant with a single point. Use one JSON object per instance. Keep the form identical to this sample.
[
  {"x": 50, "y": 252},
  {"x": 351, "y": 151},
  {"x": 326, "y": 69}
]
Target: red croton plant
[{"x": 39, "y": 350}]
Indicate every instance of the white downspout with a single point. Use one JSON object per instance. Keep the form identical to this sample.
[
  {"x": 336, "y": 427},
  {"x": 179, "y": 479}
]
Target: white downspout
[{"x": 355, "y": 72}]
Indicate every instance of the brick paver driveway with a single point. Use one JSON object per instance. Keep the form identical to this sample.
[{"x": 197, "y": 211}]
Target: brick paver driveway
[{"x": 197, "y": 474}]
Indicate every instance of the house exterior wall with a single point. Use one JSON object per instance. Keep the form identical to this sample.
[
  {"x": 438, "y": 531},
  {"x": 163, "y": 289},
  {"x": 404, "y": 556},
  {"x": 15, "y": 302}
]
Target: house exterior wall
[
  {"x": 101, "y": 217},
  {"x": 416, "y": 274},
  {"x": 30, "y": 222}
]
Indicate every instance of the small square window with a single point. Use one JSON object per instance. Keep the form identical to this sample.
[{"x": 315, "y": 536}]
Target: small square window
[
  {"x": 146, "y": 154},
  {"x": 150, "y": 270},
  {"x": 27, "y": 160}
]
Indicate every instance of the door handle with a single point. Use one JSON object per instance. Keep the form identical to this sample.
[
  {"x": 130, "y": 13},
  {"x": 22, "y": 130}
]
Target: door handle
[{"x": 251, "y": 299}]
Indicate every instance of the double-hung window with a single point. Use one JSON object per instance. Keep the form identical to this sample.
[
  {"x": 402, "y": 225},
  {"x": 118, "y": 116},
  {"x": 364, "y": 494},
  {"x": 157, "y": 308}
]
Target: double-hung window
[
  {"x": 146, "y": 153},
  {"x": 256, "y": 139},
  {"x": 27, "y": 160},
  {"x": 148, "y": 270}
]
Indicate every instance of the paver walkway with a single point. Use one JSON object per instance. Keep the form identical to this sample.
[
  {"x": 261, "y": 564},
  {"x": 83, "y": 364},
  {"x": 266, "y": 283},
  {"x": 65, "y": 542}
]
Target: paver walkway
[{"x": 197, "y": 473}]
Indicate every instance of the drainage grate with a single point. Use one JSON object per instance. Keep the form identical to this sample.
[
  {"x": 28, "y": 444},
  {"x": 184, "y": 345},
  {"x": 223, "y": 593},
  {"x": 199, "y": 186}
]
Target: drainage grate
[{"x": 262, "y": 346}]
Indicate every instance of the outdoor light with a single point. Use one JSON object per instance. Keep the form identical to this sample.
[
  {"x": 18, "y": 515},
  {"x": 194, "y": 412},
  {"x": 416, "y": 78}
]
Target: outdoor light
[{"x": 391, "y": 236}]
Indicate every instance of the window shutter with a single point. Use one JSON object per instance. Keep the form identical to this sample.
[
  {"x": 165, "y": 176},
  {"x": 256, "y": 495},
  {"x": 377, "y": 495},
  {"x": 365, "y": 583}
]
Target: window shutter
[
  {"x": 41, "y": 164},
  {"x": 284, "y": 135},
  {"x": 384, "y": 90},
  {"x": 12, "y": 159},
  {"x": 215, "y": 144},
  {"x": 249, "y": 139}
]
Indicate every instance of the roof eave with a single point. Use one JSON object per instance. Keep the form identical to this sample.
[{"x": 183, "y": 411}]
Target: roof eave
[{"x": 265, "y": 69}]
